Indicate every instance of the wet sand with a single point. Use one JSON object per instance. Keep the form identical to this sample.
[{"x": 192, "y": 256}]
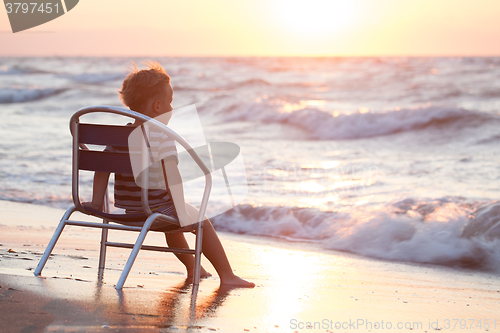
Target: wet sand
[{"x": 299, "y": 287}]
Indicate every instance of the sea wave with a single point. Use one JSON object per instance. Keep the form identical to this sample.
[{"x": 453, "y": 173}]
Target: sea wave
[
  {"x": 491, "y": 139},
  {"x": 17, "y": 70},
  {"x": 324, "y": 125},
  {"x": 420, "y": 231},
  {"x": 62, "y": 201},
  {"x": 21, "y": 95},
  {"x": 249, "y": 82},
  {"x": 96, "y": 78},
  {"x": 485, "y": 222},
  {"x": 5, "y": 70}
]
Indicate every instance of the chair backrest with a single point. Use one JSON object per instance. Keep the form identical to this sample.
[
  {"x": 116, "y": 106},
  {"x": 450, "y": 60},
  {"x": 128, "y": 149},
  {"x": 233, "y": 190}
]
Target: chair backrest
[
  {"x": 116, "y": 161},
  {"x": 104, "y": 135}
]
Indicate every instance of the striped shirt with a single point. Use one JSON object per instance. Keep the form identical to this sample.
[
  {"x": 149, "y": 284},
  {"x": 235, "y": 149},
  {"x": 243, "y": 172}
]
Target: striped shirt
[{"x": 127, "y": 193}]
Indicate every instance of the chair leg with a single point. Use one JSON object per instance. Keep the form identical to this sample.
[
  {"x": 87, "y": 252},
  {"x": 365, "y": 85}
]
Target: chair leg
[
  {"x": 102, "y": 254},
  {"x": 104, "y": 236},
  {"x": 53, "y": 241},
  {"x": 135, "y": 250},
  {"x": 197, "y": 256}
]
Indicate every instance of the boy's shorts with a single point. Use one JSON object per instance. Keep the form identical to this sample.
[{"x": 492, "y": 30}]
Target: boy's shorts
[
  {"x": 164, "y": 226},
  {"x": 167, "y": 210}
]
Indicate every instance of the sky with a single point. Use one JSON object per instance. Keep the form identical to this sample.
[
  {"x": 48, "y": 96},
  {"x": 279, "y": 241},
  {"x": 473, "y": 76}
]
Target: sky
[{"x": 263, "y": 28}]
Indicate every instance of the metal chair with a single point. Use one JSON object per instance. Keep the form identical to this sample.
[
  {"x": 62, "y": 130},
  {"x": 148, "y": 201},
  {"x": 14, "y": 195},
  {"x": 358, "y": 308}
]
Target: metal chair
[{"x": 95, "y": 160}]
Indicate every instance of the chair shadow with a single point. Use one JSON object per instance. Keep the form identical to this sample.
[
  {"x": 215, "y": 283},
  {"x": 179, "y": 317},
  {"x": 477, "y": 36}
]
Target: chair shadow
[
  {"x": 179, "y": 305},
  {"x": 173, "y": 305}
]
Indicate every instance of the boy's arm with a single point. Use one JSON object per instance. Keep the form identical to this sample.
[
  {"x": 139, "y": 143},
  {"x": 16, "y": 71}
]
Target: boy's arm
[
  {"x": 174, "y": 181},
  {"x": 100, "y": 187}
]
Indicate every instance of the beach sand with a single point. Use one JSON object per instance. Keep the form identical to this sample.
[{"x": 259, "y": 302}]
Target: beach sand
[{"x": 298, "y": 285}]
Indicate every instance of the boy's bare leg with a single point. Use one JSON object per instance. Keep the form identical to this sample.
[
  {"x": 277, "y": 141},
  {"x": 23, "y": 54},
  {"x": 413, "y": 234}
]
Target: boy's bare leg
[
  {"x": 178, "y": 240},
  {"x": 213, "y": 250}
]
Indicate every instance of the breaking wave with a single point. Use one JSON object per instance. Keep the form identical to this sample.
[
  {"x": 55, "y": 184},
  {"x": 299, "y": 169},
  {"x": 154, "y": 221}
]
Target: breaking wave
[
  {"x": 323, "y": 125},
  {"x": 435, "y": 231}
]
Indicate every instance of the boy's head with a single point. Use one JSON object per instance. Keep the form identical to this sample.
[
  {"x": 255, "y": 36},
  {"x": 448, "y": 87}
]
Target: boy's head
[{"x": 147, "y": 91}]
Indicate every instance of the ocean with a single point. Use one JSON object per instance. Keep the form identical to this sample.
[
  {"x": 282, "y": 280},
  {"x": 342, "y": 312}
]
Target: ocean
[{"x": 395, "y": 158}]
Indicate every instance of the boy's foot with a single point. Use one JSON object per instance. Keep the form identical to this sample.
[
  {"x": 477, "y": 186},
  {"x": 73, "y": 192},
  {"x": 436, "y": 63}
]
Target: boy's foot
[{"x": 236, "y": 281}]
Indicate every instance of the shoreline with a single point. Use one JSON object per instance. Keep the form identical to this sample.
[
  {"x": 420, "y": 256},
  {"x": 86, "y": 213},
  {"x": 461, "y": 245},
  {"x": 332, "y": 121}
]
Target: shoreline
[{"x": 42, "y": 218}]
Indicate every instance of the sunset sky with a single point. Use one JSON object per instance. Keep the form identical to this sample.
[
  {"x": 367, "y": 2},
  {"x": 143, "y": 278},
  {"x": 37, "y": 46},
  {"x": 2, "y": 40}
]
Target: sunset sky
[{"x": 263, "y": 28}]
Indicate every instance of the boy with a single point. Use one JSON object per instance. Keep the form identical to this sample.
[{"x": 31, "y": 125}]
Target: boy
[{"x": 150, "y": 93}]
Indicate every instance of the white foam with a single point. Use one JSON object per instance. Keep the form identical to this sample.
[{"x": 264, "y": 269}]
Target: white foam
[{"x": 432, "y": 237}]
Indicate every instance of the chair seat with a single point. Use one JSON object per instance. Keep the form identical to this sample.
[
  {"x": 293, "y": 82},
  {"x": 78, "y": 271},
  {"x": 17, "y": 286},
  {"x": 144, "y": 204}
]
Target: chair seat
[{"x": 163, "y": 224}]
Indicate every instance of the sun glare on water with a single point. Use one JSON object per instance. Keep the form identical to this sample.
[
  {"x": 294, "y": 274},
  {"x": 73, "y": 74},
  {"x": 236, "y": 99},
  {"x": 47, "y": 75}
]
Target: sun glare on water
[{"x": 316, "y": 17}]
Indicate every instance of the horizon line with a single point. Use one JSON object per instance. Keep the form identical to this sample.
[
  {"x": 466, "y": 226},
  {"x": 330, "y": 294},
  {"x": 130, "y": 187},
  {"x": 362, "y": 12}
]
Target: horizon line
[{"x": 262, "y": 56}]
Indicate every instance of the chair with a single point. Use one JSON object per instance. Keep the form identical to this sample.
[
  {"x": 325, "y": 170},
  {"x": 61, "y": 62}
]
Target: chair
[{"x": 115, "y": 162}]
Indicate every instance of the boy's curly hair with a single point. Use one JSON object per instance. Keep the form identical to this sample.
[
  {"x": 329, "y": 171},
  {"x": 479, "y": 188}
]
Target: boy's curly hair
[{"x": 142, "y": 85}]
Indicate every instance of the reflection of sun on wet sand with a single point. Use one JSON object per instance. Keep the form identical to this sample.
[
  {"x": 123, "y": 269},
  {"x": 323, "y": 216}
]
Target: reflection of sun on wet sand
[{"x": 297, "y": 286}]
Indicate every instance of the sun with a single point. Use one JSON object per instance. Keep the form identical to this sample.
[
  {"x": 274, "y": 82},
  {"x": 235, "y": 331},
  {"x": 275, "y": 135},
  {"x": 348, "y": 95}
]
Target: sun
[{"x": 316, "y": 17}]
